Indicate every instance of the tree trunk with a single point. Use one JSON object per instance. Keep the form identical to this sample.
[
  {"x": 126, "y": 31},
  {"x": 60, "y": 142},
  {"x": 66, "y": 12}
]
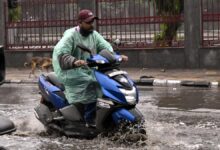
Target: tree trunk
[{"x": 169, "y": 8}]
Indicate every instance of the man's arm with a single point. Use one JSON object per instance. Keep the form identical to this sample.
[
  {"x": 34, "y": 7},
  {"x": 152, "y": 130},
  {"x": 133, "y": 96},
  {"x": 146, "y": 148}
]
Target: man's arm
[
  {"x": 66, "y": 61},
  {"x": 101, "y": 43},
  {"x": 69, "y": 62}
]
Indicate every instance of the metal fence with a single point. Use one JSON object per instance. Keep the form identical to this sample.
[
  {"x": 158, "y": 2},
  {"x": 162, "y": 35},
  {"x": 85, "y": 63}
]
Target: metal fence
[
  {"x": 210, "y": 23},
  {"x": 39, "y": 23},
  {"x": 139, "y": 24}
]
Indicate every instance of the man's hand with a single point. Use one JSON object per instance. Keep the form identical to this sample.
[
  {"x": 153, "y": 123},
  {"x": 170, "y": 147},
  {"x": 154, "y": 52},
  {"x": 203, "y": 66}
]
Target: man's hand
[
  {"x": 124, "y": 58},
  {"x": 79, "y": 63}
]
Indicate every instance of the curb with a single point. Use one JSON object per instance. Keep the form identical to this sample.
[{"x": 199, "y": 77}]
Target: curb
[
  {"x": 164, "y": 82},
  {"x": 146, "y": 82},
  {"x": 19, "y": 81}
]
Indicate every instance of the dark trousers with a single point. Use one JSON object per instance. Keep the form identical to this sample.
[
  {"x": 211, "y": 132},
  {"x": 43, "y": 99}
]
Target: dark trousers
[{"x": 89, "y": 112}]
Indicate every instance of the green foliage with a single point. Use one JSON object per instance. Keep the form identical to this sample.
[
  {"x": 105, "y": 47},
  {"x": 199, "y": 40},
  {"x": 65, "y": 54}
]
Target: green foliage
[
  {"x": 15, "y": 14},
  {"x": 168, "y": 8},
  {"x": 160, "y": 36}
]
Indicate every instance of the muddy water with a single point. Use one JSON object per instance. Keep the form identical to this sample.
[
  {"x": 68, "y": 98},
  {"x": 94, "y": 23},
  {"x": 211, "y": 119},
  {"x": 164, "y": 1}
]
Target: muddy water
[{"x": 176, "y": 118}]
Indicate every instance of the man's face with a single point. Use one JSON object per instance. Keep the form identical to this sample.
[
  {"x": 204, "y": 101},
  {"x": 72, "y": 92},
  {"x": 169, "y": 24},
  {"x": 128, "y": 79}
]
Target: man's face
[{"x": 87, "y": 26}]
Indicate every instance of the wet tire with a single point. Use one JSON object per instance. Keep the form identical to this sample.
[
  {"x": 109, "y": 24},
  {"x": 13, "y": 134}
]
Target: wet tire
[
  {"x": 48, "y": 104},
  {"x": 137, "y": 114},
  {"x": 130, "y": 133}
]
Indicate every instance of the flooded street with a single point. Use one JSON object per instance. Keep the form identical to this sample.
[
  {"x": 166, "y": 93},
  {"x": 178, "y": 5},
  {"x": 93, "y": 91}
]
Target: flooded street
[
  {"x": 176, "y": 118},
  {"x": 182, "y": 118}
]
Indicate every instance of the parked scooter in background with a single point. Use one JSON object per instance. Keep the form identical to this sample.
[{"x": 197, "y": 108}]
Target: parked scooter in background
[
  {"x": 6, "y": 126},
  {"x": 2, "y": 65}
]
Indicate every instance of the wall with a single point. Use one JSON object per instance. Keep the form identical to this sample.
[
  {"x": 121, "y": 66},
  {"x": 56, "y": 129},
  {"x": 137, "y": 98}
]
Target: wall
[
  {"x": 155, "y": 58},
  {"x": 209, "y": 58},
  {"x": 151, "y": 58}
]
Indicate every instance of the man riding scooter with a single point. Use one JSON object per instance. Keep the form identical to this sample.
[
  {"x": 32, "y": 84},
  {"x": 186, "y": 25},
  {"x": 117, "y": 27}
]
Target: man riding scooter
[{"x": 68, "y": 61}]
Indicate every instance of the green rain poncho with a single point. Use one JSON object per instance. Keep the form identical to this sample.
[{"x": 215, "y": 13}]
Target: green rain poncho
[{"x": 80, "y": 83}]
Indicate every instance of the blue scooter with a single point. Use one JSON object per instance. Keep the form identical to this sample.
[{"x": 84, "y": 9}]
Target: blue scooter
[{"x": 114, "y": 109}]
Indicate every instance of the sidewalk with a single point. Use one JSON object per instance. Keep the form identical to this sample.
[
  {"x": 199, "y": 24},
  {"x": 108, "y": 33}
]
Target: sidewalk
[{"x": 156, "y": 77}]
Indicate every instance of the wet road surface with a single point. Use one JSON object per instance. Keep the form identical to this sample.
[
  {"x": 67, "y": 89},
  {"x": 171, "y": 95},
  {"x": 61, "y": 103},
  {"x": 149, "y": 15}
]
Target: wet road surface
[{"x": 176, "y": 118}]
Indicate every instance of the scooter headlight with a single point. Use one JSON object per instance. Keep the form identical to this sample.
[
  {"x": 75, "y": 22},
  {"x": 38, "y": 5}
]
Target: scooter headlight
[
  {"x": 130, "y": 95},
  {"x": 120, "y": 59},
  {"x": 100, "y": 61}
]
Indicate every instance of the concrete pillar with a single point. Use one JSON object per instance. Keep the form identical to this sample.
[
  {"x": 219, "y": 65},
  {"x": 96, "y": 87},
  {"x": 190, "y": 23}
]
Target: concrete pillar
[
  {"x": 2, "y": 27},
  {"x": 192, "y": 17}
]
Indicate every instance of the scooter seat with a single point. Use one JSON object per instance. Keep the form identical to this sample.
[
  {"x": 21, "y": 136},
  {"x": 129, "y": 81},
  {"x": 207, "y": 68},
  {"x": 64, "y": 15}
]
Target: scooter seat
[{"x": 51, "y": 77}]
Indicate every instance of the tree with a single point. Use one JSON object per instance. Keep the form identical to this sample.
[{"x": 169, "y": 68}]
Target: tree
[
  {"x": 14, "y": 10},
  {"x": 167, "y": 8},
  {"x": 12, "y": 3}
]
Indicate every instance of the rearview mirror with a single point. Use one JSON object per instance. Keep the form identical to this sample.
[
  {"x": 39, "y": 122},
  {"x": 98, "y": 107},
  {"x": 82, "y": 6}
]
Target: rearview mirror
[{"x": 117, "y": 42}]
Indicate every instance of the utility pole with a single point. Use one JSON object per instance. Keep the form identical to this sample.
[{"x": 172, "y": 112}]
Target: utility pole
[{"x": 192, "y": 23}]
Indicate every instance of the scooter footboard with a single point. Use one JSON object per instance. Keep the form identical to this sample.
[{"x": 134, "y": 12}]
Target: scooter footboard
[{"x": 132, "y": 115}]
